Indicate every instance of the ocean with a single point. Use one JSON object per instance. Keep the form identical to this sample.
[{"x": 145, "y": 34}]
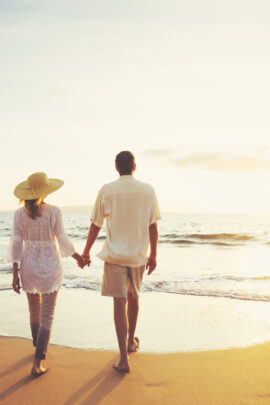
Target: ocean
[
  {"x": 211, "y": 288},
  {"x": 222, "y": 255}
]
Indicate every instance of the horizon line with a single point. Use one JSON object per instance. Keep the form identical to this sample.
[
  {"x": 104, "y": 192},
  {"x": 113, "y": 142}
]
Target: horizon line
[{"x": 85, "y": 209}]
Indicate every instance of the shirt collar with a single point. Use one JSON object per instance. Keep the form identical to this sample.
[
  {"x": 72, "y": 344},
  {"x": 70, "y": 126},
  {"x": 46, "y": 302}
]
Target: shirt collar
[{"x": 126, "y": 176}]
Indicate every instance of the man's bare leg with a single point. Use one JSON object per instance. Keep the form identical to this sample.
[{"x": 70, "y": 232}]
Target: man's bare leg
[
  {"x": 120, "y": 320},
  {"x": 132, "y": 310}
]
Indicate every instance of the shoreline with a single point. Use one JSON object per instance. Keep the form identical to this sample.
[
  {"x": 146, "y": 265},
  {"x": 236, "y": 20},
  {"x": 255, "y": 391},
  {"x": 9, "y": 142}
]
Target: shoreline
[
  {"x": 79, "y": 376},
  {"x": 103, "y": 350},
  {"x": 167, "y": 323}
]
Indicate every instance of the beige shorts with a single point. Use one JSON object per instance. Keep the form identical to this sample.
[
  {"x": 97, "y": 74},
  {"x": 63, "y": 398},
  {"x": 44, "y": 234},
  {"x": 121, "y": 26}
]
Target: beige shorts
[{"x": 119, "y": 281}]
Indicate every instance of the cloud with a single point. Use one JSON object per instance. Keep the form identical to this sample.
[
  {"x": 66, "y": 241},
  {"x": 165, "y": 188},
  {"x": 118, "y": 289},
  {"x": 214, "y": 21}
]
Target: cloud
[
  {"x": 157, "y": 153},
  {"x": 262, "y": 150},
  {"x": 221, "y": 162}
]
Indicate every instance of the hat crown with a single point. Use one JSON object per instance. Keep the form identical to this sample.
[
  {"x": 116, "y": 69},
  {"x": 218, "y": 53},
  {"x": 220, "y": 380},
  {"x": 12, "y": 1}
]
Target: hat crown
[{"x": 38, "y": 180}]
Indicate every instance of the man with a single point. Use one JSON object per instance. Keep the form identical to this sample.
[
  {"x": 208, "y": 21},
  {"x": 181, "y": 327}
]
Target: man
[{"x": 131, "y": 211}]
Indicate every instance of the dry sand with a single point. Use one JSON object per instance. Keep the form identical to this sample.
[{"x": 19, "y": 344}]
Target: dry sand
[{"x": 76, "y": 376}]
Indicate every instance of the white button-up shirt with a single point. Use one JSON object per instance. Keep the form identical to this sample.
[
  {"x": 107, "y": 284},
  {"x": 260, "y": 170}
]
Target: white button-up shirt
[{"x": 130, "y": 207}]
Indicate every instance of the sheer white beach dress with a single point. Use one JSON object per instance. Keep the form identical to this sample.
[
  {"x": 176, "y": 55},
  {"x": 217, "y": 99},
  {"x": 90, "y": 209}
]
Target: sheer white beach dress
[{"x": 34, "y": 245}]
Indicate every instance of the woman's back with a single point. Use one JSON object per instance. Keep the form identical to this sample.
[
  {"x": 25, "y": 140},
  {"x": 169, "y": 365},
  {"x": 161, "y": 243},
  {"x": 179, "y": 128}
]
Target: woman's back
[
  {"x": 34, "y": 251},
  {"x": 42, "y": 228},
  {"x": 33, "y": 244}
]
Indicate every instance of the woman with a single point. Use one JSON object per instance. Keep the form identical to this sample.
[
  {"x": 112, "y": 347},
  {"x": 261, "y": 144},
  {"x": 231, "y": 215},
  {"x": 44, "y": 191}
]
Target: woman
[{"x": 33, "y": 244}]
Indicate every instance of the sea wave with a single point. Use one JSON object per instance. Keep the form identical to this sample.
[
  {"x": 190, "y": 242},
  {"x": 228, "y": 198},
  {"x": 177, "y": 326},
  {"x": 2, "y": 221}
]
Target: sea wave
[
  {"x": 216, "y": 239},
  {"x": 192, "y": 239},
  {"x": 213, "y": 285},
  {"x": 5, "y": 267},
  {"x": 216, "y": 286},
  {"x": 194, "y": 287},
  {"x": 82, "y": 284},
  {"x": 83, "y": 236},
  {"x": 180, "y": 291},
  {"x": 217, "y": 294}
]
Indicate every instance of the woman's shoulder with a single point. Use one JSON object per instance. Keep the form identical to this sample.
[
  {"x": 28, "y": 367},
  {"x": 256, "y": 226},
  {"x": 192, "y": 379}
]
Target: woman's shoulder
[
  {"x": 51, "y": 208},
  {"x": 18, "y": 212}
]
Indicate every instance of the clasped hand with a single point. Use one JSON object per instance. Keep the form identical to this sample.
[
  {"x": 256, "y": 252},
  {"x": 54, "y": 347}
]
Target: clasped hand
[{"x": 82, "y": 260}]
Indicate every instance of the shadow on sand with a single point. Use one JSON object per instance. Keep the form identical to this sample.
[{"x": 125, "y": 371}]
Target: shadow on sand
[
  {"x": 19, "y": 384},
  {"x": 105, "y": 381},
  {"x": 19, "y": 364}
]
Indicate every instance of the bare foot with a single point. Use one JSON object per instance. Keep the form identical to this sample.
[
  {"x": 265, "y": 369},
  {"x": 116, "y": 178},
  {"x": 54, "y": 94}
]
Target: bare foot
[
  {"x": 38, "y": 369},
  {"x": 122, "y": 366},
  {"x": 37, "y": 372},
  {"x": 134, "y": 346}
]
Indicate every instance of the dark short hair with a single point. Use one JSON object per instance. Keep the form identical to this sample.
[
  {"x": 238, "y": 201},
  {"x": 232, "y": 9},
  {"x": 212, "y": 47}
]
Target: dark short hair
[{"x": 125, "y": 162}]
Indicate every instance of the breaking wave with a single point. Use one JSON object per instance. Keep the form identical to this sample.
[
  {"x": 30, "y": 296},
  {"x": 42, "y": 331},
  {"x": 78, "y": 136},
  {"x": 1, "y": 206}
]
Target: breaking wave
[{"x": 217, "y": 239}]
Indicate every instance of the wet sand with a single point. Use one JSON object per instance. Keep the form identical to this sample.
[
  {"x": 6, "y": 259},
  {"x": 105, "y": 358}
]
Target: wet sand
[{"x": 167, "y": 322}]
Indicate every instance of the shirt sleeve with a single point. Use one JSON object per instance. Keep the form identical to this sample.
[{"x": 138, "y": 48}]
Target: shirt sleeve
[
  {"x": 98, "y": 211},
  {"x": 155, "y": 213},
  {"x": 15, "y": 249},
  {"x": 65, "y": 245}
]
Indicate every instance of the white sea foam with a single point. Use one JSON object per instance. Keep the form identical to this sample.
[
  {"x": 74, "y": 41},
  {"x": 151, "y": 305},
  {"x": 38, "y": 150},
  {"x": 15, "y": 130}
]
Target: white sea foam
[{"x": 5, "y": 267}]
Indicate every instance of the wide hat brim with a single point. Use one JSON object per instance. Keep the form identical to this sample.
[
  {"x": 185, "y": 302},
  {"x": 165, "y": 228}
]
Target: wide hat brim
[{"x": 24, "y": 192}]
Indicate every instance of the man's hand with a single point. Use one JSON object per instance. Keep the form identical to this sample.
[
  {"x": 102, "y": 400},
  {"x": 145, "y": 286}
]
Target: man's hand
[
  {"x": 153, "y": 237},
  {"x": 81, "y": 262},
  {"x": 151, "y": 264},
  {"x": 16, "y": 283},
  {"x": 92, "y": 236},
  {"x": 86, "y": 259}
]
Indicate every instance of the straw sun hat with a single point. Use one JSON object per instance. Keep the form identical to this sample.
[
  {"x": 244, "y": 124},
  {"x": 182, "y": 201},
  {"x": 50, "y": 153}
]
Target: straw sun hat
[{"x": 37, "y": 186}]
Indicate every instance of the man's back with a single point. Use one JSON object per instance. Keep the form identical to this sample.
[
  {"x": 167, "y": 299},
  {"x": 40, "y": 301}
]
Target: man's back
[
  {"x": 130, "y": 207},
  {"x": 131, "y": 211}
]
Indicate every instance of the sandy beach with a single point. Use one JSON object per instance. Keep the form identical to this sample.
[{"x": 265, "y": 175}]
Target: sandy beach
[
  {"x": 174, "y": 364},
  {"x": 76, "y": 376}
]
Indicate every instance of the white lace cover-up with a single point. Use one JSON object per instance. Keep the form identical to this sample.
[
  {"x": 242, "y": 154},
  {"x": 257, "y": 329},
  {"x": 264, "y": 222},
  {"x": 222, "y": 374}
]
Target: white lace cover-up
[{"x": 33, "y": 244}]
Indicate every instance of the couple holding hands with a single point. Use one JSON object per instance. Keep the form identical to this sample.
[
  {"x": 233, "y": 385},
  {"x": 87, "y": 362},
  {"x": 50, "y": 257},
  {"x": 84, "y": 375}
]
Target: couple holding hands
[{"x": 131, "y": 211}]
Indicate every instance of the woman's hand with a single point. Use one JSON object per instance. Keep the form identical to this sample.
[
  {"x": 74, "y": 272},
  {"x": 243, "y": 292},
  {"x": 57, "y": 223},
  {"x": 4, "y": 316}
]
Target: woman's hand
[
  {"x": 80, "y": 260},
  {"x": 16, "y": 283}
]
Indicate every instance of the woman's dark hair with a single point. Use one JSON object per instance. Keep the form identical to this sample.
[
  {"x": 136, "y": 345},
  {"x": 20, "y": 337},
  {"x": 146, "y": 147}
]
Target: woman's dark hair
[
  {"x": 125, "y": 162},
  {"x": 33, "y": 207}
]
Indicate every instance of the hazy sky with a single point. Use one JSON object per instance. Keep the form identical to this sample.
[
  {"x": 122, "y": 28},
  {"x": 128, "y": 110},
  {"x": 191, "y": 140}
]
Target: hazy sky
[{"x": 184, "y": 84}]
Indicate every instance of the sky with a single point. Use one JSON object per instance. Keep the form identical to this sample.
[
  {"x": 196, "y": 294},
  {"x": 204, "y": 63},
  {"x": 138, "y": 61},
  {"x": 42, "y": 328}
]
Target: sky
[{"x": 183, "y": 84}]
